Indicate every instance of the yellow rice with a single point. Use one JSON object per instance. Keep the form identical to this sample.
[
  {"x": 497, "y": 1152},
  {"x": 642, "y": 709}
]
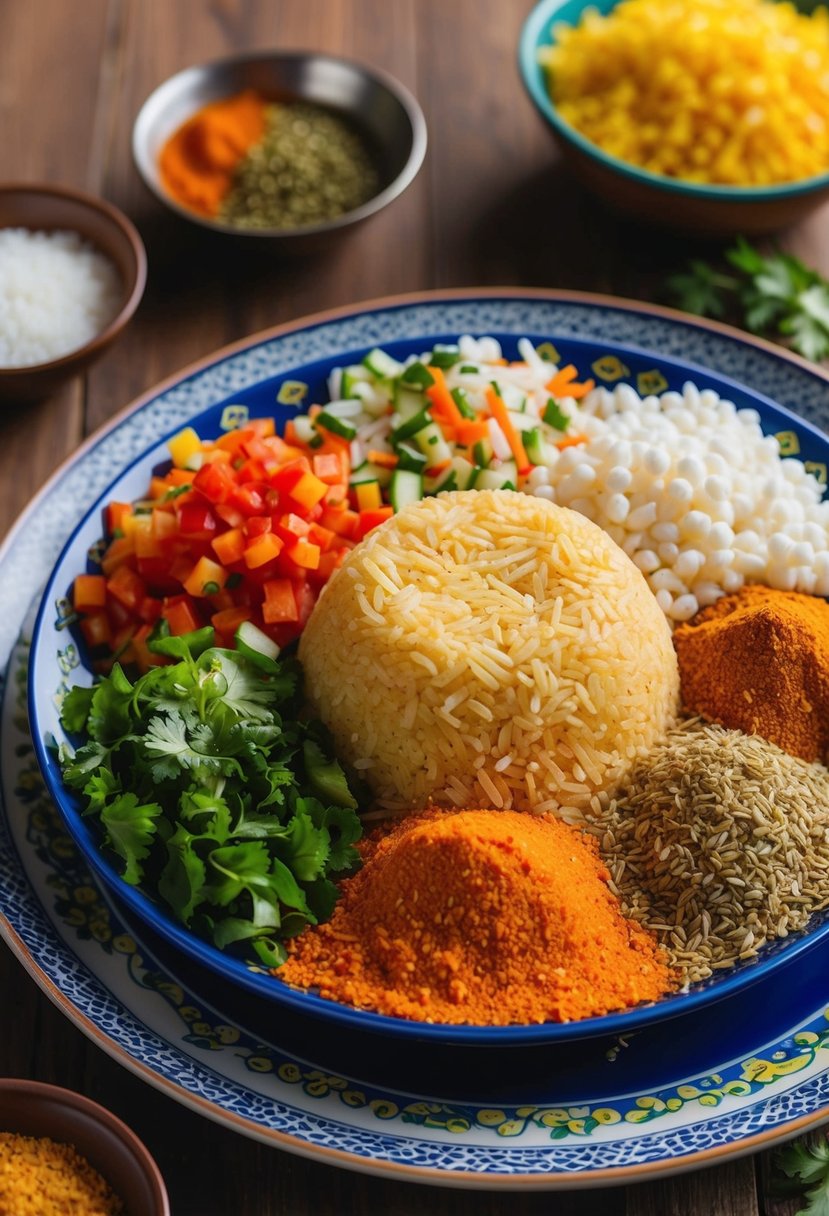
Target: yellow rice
[
  {"x": 734, "y": 92},
  {"x": 489, "y": 648}
]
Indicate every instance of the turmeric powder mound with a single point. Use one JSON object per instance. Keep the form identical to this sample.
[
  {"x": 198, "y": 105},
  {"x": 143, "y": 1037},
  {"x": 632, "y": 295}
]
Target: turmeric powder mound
[
  {"x": 479, "y": 916},
  {"x": 758, "y": 661},
  {"x": 197, "y": 162},
  {"x": 41, "y": 1177}
]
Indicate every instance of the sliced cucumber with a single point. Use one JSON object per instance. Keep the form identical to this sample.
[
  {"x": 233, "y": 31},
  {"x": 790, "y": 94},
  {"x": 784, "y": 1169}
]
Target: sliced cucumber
[
  {"x": 412, "y": 426},
  {"x": 431, "y": 442},
  {"x": 351, "y": 377},
  {"x": 444, "y": 356},
  {"x": 466, "y": 473},
  {"x": 408, "y": 401},
  {"x": 337, "y": 426},
  {"x": 257, "y": 647},
  {"x": 371, "y": 472},
  {"x": 382, "y": 365},
  {"x": 405, "y": 487},
  {"x": 483, "y": 453},
  {"x": 409, "y": 459},
  {"x": 538, "y": 450},
  {"x": 503, "y": 478},
  {"x": 417, "y": 374}
]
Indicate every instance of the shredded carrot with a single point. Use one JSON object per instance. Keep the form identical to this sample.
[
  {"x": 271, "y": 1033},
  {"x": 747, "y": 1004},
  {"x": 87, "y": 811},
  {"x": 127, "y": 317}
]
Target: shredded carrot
[
  {"x": 564, "y": 383},
  {"x": 441, "y": 399},
  {"x": 501, "y": 416},
  {"x": 471, "y": 432},
  {"x": 570, "y": 441},
  {"x": 386, "y": 460}
]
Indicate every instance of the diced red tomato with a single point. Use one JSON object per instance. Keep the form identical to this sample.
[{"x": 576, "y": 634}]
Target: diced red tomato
[
  {"x": 252, "y": 533},
  {"x": 127, "y": 587},
  {"x": 280, "y": 602},
  {"x": 96, "y": 631},
  {"x": 180, "y": 614}
]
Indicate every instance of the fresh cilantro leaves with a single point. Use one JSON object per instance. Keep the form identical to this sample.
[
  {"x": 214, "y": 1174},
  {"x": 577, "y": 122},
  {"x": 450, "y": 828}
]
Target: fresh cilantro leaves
[
  {"x": 213, "y": 793},
  {"x": 775, "y": 294},
  {"x": 806, "y": 1168}
]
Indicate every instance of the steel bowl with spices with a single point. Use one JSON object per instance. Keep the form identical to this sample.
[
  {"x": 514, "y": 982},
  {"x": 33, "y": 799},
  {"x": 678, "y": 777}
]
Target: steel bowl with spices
[
  {"x": 373, "y": 127},
  {"x": 668, "y": 199},
  {"x": 59, "y": 1148}
]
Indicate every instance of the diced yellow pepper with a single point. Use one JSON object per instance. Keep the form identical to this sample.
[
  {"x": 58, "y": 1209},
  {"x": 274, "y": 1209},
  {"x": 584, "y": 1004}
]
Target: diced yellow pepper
[
  {"x": 184, "y": 445},
  {"x": 368, "y": 495}
]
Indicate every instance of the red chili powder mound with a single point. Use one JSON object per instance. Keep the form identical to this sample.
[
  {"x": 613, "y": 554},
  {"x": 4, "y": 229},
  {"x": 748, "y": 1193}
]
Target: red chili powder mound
[{"x": 484, "y": 917}]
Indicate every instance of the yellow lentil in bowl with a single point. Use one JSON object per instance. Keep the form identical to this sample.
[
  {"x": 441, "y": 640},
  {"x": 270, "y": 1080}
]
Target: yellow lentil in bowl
[{"x": 728, "y": 92}]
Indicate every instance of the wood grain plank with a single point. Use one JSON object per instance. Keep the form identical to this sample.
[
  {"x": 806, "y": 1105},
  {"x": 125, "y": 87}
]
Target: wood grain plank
[
  {"x": 44, "y": 139},
  {"x": 726, "y": 1190}
]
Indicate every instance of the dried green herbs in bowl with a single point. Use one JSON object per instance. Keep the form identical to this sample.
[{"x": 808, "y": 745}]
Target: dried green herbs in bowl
[{"x": 281, "y": 148}]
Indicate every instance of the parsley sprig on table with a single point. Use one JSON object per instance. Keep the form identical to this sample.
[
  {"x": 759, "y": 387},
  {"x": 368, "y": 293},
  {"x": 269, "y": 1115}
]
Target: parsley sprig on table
[
  {"x": 806, "y": 1169},
  {"x": 212, "y": 793},
  {"x": 774, "y": 295}
]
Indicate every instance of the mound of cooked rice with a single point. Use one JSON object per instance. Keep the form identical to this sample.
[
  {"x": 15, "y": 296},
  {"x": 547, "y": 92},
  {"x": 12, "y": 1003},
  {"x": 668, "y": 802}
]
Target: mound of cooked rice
[{"x": 490, "y": 648}]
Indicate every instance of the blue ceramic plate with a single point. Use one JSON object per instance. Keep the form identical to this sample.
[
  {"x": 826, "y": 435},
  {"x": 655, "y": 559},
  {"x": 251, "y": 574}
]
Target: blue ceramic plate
[
  {"x": 606, "y": 341},
  {"x": 730, "y": 1078}
]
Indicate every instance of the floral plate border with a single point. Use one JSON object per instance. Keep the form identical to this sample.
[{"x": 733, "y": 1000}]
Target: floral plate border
[{"x": 53, "y": 916}]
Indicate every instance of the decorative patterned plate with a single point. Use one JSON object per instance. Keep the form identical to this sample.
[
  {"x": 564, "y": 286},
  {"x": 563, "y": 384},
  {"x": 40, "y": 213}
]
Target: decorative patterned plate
[{"x": 730, "y": 1078}]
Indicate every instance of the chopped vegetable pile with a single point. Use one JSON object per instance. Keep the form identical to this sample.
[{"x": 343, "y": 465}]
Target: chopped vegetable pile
[
  {"x": 248, "y": 528},
  {"x": 212, "y": 793}
]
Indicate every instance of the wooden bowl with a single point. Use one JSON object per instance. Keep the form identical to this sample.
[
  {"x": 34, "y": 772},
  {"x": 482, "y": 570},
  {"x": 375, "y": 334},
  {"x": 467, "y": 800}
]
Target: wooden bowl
[
  {"x": 31, "y": 1108},
  {"x": 654, "y": 198},
  {"x": 51, "y": 208}
]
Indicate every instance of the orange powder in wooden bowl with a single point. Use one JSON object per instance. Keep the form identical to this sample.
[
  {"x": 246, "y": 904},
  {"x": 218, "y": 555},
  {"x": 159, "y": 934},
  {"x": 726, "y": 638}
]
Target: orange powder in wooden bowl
[{"x": 479, "y": 916}]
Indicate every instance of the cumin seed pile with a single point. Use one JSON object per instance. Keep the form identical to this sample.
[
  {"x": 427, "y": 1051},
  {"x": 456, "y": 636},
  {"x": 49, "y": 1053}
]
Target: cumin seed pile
[{"x": 718, "y": 842}]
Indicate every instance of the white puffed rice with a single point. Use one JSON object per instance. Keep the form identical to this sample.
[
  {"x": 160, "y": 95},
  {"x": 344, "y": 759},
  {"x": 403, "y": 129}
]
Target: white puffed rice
[{"x": 696, "y": 494}]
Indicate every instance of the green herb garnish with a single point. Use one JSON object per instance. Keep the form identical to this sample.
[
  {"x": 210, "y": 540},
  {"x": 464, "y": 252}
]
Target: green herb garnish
[
  {"x": 212, "y": 794},
  {"x": 806, "y": 1170},
  {"x": 775, "y": 295}
]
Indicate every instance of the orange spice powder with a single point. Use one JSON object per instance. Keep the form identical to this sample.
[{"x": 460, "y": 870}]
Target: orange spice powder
[
  {"x": 479, "y": 916},
  {"x": 198, "y": 160}
]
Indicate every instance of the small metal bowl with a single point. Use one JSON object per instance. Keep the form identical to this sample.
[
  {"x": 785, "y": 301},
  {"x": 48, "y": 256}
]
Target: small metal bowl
[
  {"x": 51, "y": 208},
  {"x": 31, "y": 1108},
  {"x": 370, "y": 100}
]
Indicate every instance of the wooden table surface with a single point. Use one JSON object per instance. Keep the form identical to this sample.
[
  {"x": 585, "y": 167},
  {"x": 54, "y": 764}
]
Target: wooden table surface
[{"x": 491, "y": 206}]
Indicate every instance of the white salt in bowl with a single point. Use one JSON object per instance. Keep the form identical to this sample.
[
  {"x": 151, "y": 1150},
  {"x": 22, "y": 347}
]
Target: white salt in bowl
[{"x": 98, "y": 228}]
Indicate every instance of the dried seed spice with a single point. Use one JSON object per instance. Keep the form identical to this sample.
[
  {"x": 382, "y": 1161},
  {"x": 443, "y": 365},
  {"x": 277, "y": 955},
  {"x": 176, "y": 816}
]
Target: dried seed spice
[
  {"x": 41, "y": 1177},
  {"x": 309, "y": 167},
  {"x": 252, "y": 163},
  {"x": 718, "y": 842}
]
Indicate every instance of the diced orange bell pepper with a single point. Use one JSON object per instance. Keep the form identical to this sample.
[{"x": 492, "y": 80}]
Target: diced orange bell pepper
[
  {"x": 206, "y": 578},
  {"x": 262, "y": 549},
  {"x": 89, "y": 591},
  {"x": 229, "y": 546},
  {"x": 180, "y": 614}
]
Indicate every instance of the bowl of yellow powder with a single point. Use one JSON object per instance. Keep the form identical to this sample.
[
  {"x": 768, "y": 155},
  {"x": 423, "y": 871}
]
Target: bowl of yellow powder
[
  {"x": 708, "y": 116},
  {"x": 61, "y": 1153}
]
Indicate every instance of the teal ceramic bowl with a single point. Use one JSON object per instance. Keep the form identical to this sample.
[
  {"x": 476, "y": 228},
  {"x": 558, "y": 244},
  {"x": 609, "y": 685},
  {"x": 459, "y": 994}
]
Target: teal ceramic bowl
[{"x": 651, "y": 197}]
